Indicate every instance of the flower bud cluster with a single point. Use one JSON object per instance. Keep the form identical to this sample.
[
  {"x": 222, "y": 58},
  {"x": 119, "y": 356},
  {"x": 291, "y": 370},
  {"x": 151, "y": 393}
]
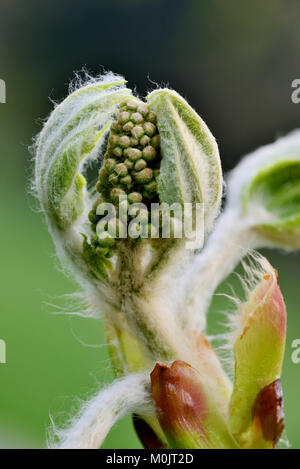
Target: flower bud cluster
[{"x": 130, "y": 170}]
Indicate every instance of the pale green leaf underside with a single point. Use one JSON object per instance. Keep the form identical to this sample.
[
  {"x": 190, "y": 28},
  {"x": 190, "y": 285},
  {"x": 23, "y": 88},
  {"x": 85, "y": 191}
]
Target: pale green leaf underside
[
  {"x": 190, "y": 167},
  {"x": 73, "y": 130},
  {"x": 276, "y": 189}
]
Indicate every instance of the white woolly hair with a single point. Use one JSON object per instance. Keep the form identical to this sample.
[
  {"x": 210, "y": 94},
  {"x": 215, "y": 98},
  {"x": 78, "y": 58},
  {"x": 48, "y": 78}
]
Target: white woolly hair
[
  {"x": 206, "y": 163},
  {"x": 90, "y": 427},
  {"x": 233, "y": 236},
  {"x": 255, "y": 267},
  {"x": 81, "y": 81},
  {"x": 68, "y": 243},
  {"x": 77, "y": 304},
  {"x": 83, "y": 78}
]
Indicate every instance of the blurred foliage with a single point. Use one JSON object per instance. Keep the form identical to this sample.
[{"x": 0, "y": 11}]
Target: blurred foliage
[{"x": 233, "y": 61}]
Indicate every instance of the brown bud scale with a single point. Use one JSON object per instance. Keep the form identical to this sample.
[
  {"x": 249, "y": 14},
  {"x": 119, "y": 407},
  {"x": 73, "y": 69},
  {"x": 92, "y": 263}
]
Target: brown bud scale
[{"x": 268, "y": 411}]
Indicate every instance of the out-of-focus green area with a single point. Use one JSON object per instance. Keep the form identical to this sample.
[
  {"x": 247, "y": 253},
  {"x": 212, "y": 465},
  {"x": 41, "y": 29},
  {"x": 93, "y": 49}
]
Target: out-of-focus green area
[{"x": 233, "y": 60}]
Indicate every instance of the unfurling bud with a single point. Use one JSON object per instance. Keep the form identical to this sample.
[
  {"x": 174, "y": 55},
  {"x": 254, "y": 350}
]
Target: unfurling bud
[
  {"x": 124, "y": 239},
  {"x": 265, "y": 188},
  {"x": 190, "y": 169},
  {"x": 185, "y": 409},
  {"x": 259, "y": 345},
  {"x": 74, "y": 129}
]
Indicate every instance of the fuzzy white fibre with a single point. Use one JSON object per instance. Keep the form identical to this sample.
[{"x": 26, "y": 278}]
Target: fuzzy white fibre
[{"x": 90, "y": 428}]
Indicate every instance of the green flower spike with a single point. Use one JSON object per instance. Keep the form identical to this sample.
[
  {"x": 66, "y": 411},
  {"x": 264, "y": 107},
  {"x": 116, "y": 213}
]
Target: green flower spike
[{"x": 122, "y": 267}]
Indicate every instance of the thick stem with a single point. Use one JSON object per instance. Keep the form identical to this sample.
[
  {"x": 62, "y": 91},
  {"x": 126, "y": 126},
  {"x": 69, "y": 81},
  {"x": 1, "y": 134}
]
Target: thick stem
[
  {"x": 98, "y": 415},
  {"x": 149, "y": 319},
  {"x": 227, "y": 245}
]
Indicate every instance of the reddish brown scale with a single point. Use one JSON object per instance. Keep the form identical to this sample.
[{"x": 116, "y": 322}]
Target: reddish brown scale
[
  {"x": 179, "y": 401},
  {"x": 268, "y": 410},
  {"x": 145, "y": 433}
]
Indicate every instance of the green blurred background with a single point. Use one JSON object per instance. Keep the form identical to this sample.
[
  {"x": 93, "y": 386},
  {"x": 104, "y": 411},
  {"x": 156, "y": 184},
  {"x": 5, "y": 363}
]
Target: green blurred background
[{"x": 234, "y": 61}]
